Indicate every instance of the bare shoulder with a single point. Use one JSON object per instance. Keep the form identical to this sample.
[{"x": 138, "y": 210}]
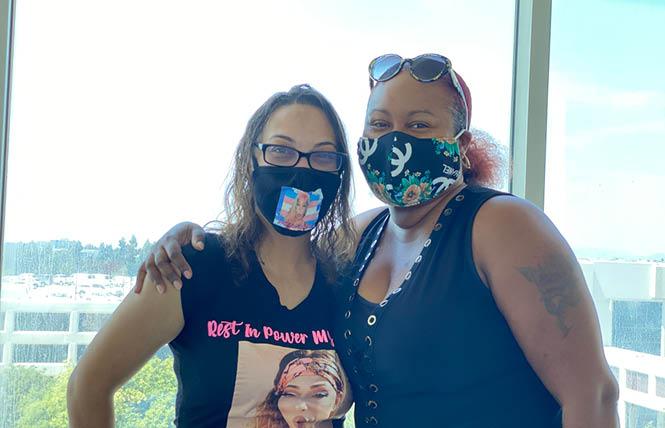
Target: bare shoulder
[
  {"x": 510, "y": 232},
  {"x": 362, "y": 220},
  {"x": 509, "y": 216}
]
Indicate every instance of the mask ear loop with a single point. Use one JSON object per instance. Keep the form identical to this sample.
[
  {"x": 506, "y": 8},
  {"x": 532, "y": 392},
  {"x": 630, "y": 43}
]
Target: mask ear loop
[{"x": 466, "y": 163}]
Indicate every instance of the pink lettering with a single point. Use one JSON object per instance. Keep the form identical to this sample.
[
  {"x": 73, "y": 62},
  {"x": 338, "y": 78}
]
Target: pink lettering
[
  {"x": 212, "y": 328},
  {"x": 284, "y": 337},
  {"x": 224, "y": 329},
  {"x": 320, "y": 336},
  {"x": 251, "y": 331}
]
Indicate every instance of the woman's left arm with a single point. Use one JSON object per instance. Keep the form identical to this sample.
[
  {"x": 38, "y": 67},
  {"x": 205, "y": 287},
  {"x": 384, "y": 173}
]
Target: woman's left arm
[{"x": 538, "y": 285}]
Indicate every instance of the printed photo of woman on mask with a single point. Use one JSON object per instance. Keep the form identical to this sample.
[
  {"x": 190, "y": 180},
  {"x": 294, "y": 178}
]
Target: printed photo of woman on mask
[{"x": 298, "y": 210}]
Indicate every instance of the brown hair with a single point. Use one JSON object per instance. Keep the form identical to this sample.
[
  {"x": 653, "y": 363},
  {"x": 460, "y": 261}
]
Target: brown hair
[{"x": 332, "y": 240}]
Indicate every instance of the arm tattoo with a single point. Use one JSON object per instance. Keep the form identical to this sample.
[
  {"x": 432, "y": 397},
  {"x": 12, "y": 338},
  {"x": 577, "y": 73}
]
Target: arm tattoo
[{"x": 556, "y": 282}]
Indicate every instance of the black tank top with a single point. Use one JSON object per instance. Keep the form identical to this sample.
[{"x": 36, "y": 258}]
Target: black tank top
[
  {"x": 241, "y": 354},
  {"x": 437, "y": 352}
]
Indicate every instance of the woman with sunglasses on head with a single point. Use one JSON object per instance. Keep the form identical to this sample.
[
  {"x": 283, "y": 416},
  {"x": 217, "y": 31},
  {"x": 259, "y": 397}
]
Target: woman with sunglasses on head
[
  {"x": 261, "y": 288},
  {"x": 464, "y": 307}
]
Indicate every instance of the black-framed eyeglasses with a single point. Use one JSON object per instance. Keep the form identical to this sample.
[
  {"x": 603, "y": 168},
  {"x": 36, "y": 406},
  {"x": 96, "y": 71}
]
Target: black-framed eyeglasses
[{"x": 285, "y": 156}]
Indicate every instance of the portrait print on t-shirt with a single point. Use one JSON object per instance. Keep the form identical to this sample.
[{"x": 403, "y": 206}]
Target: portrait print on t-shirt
[
  {"x": 297, "y": 209},
  {"x": 278, "y": 387}
]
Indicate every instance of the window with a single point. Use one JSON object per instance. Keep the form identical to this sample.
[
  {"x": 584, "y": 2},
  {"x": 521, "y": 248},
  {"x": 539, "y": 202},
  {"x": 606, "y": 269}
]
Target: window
[
  {"x": 636, "y": 326},
  {"x": 124, "y": 115},
  {"x": 606, "y": 125}
]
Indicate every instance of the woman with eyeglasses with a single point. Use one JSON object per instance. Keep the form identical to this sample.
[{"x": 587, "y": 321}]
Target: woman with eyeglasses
[
  {"x": 464, "y": 306},
  {"x": 261, "y": 288}
]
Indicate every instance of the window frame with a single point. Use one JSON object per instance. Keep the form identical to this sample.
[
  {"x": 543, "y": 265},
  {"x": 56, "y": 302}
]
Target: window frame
[
  {"x": 6, "y": 54},
  {"x": 531, "y": 69}
]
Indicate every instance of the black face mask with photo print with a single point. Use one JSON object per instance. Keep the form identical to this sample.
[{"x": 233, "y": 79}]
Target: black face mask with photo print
[{"x": 293, "y": 200}]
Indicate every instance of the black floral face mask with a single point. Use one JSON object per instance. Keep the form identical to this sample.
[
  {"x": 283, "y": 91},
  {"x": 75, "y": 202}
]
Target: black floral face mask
[{"x": 403, "y": 170}]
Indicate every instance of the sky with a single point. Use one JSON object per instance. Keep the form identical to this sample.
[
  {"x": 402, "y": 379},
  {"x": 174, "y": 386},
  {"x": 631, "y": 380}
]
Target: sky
[
  {"x": 606, "y": 136},
  {"x": 125, "y": 113}
]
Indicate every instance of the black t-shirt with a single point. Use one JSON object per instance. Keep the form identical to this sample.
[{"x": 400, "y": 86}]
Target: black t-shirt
[
  {"x": 244, "y": 360},
  {"x": 437, "y": 352}
]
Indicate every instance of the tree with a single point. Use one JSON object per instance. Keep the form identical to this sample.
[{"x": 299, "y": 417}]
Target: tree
[
  {"x": 16, "y": 384},
  {"x": 37, "y": 400},
  {"x": 48, "y": 407}
]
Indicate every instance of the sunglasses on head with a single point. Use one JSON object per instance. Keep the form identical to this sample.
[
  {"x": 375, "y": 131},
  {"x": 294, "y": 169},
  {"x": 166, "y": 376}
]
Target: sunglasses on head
[{"x": 424, "y": 68}]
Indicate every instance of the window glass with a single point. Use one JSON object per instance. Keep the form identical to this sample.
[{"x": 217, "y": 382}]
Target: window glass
[
  {"x": 124, "y": 118},
  {"x": 604, "y": 179}
]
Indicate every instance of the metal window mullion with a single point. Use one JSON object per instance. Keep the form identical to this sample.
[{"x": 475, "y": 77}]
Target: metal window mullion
[
  {"x": 6, "y": 34},
  {"x": 530, "y": 91}
]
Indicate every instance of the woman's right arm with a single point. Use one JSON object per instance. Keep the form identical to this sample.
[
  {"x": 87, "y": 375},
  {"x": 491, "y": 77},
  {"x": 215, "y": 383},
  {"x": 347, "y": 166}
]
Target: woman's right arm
[{"x": 137, "y": 329}]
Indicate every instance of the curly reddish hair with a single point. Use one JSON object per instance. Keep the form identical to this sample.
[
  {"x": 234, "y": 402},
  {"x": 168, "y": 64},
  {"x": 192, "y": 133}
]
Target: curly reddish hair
[{"x": 487, "y": 157}]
